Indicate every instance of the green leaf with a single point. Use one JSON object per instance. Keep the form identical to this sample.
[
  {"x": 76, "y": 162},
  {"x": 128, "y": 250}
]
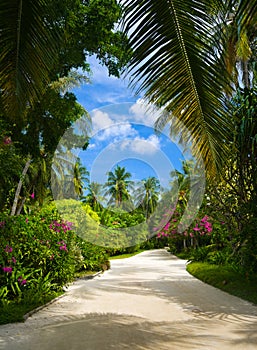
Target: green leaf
[
  {"x": 178, "y": 65},
  {"x": 29, "y": 47}
]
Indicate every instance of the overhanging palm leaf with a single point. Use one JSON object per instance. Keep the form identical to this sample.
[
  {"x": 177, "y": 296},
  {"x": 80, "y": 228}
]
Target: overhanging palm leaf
[
  {"x": 179, "y": 67},
  {"x": 28, "y": 41},
  {"x": 246, "y": 12}
]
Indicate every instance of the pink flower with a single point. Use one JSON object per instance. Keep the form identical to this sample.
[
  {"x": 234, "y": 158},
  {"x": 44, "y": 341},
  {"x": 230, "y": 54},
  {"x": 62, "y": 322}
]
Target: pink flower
[
  {"x": 7, "y": 140},
  {"x": 205, "y": 218},
  {"x": 14, "y": 260},
  {"x": 8, "y": 249},
  {"x": 63, "y": 247},
  {"x": 166, "y": 227},
  {"x": 27, "y": 220},
  {"x": 32, "y": 195},
  {"x": 22, "y": 281},
  {"x": 196, "y": 228},
  {"x": 7, "y": 269}
]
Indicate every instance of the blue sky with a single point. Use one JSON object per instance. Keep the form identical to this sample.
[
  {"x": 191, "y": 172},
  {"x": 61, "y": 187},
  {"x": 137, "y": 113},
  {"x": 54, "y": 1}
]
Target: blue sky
[{"x": 123, "y": 131}]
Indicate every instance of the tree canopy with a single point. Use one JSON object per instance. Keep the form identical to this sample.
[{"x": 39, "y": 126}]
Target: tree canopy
[{"x": 43, "y": 43}]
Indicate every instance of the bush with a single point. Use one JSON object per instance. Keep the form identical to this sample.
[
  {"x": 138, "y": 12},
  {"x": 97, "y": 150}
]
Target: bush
[
  {"x": 202, "y": 253},
  {"x": 40, "y": 254}
]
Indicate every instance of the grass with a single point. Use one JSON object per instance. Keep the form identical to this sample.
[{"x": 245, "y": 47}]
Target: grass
[
  {"x": 84, "y": 273},
  {"x": 14, "y": 312},
  {"x": 127, "y": 255},
  {"x": 226, "y": 279}
]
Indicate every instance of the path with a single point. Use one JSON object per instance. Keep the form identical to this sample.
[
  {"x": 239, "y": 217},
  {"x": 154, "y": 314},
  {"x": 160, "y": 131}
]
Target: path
[{"x": 148, "y": 302}]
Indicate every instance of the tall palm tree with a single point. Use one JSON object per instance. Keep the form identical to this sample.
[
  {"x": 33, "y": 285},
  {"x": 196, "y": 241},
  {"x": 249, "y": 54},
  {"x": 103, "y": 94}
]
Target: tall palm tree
[
  {"x": 62, "y": 164},
  {"x": 148, "y": 195},
  {"x": 94, "y": 195},
  {"x": 181, "y": 67},
  {"x": 80, "y": 177},
  {"x": 117, "y": 185},
  {"x": 75, "y": 180}
]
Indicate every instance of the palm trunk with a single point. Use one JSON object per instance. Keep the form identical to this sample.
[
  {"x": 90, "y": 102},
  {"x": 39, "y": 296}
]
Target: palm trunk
[
  {"x": 18, "y": 190},
  {"x": 246, "y": 75}
]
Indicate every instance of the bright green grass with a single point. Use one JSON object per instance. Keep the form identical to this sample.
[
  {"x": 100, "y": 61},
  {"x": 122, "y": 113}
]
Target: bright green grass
[
  {"x": 123, "y": 256},
  {"x": 226, "y": 279}
]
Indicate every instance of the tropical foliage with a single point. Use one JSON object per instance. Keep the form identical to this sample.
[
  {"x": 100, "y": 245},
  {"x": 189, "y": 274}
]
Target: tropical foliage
[
  {"x": 182, "y": 59},
  {"x": 196, "y": 61},
  {"x": 42, "y": 250},
  {"x": 37, "y": 62},
  {"x": 148, "y": 195},
  {"x": 118, "y": 184}
]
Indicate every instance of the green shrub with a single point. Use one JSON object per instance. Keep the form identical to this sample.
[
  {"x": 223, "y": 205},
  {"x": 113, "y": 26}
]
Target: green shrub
[
  {"x": 40, "y": 253},
  {"x": 202, "y": 253}
]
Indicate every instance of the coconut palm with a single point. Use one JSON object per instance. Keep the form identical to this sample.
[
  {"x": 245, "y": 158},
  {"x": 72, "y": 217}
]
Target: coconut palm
[
  {"x": 94, "y": 195},
  {"x": 148, "y": 195},
  {"x": 117, "y": 185},
  {"x": 75, "y": 181},
  {"x": 179, "y": 51}
]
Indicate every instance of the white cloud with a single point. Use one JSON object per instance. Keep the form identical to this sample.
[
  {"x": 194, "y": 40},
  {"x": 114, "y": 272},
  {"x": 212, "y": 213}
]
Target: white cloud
[
  {"x": 144, "y": 113},
  {"x": 100, "y": 120},
  {"x": 140, "y": 145},
  {"x": 104, "y": 127},
  {"x": 91, "y": 146},
  {"x": 116, "y": 132}
]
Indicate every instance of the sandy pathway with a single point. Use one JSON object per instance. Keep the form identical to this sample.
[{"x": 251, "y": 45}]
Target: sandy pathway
[{"x": 148, "y": 301}]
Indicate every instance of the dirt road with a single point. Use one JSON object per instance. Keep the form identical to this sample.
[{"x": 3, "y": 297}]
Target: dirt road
[{"x": 149, "y": 302}]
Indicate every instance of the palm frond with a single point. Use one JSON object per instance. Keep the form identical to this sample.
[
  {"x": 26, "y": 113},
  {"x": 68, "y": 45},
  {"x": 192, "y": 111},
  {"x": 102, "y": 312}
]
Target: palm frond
[
  {"x": 246, "y": 12},
  {"x": 74, "y": 79},
  {"x": 29, "y": 47},
  {"x": 179, "y": 67}
]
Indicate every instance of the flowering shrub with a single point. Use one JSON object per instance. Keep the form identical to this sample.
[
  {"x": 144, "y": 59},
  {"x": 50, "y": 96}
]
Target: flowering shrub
[
  {"x": 37, "y": 247},
  {"x": 197, "y": 234}
]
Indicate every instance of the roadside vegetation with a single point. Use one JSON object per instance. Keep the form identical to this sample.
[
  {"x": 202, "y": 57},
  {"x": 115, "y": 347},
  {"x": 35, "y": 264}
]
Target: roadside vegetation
[{"x": 226, "y": 278}]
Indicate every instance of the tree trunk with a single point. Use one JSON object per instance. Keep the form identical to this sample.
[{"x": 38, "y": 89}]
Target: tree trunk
[
  {"x": 246, "y": 75},
  {"x": 18, "y": 190},
  {"x": 21, "y": 206}
]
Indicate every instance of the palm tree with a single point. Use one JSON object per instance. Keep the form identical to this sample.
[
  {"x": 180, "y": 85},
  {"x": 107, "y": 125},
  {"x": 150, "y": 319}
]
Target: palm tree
[
  {"x": 94, "y": 195},
  {"x": 148, "y": 195},
  {"x": 75, "y": 180},
  {"x": 117, "y": 186},
  {"x": 181, "y": 67},
  {"x": 62, "y": 164}
]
